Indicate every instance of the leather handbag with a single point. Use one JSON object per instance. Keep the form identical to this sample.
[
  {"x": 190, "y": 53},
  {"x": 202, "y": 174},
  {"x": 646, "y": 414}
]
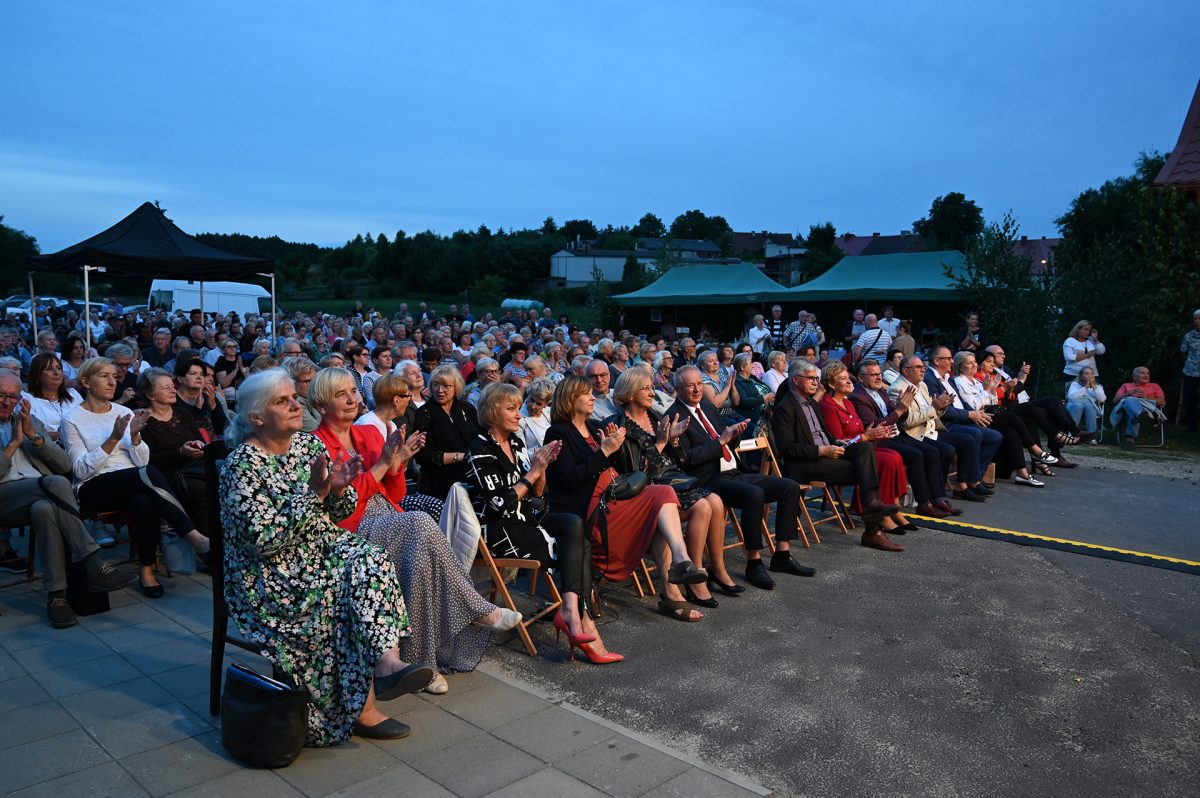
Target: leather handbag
[
  {"x": 679, "y": 481},
  {"x": 263, "y": 720},
  {"x": 627, "y": 486}
]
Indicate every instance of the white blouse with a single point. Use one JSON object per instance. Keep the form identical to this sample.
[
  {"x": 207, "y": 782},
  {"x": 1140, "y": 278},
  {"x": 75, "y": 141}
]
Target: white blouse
[
  {"x": 1072, "y": 347},
  {"x": 84, "y": 432},
  {"x": 971, "y": 392},
  {"x": 51, "y": 411}
]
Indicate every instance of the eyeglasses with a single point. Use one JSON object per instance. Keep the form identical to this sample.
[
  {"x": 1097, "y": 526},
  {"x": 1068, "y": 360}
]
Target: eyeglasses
[
  {"x": 813, "y": 377},
  {"x": 404, "y": 396},
  {"x": 10, "y": 397},
  {"x": 918, "y": 367}
]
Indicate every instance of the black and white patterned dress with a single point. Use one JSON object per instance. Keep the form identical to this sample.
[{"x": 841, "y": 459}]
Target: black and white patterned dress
[{"x": 510, "y": 525}]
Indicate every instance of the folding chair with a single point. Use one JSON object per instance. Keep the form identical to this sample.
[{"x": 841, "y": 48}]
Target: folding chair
[
  {"x": 483, "y": 556},
  {"x": 770, "y": 468},
  {"x": 214, "y": 457}
]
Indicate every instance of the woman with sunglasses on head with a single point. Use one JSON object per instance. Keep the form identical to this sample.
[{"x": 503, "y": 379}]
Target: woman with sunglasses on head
[{"x": 450, "y": 424}]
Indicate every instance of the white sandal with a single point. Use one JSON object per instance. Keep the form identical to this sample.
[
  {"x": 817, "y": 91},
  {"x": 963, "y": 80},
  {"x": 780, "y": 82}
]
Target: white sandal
[{"x": 508, "y": 620}]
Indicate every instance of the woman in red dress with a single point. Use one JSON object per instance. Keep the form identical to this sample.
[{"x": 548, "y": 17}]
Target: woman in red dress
[
  {"x": 843, "y": 424},
  {"x": 649, "y": 521}
]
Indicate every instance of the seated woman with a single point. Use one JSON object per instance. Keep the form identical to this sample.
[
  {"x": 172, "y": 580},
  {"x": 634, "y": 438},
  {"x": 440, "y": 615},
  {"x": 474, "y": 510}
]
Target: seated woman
[
  {"x": 844, "y": 424},
  {"x": 111, "y": 465},
  {"x": 663, "y": 363},
  {"x": 198, "y": 397},
  {"x": 49, "y": 397},
  {"x": 176, "y": 444},
  {"x": 504, "y": 480},
  {"x": 1084, "y": 397},
  {"x": 1006, "y": 395},
  {"x": 650, "y": 521},
  {"x": 74, "y": 352},
  {"x": 452, "y": 623},
  {"x": 891, "y": 366},
  {"x": 1015, "y": 436},
  {"x": 449, "y": 424},
  {"x": 652, "y": 445},
  {"x": 717, "y": 385},
  {"x": 393, "y": 397},
  {"x": 535, "y": 412},
  {"x": 754, "y": 396},
  {"x": 324, "y": 603},
  {"x": 230, "y": 370},
  {"x": 776, "y": 374},
  {"x": 302, "y": 371}
]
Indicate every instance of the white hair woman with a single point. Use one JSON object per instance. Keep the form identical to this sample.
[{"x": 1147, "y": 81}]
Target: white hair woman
[
  {"x": 324, "y": 604},
  {"x": 451, "y": 622}
]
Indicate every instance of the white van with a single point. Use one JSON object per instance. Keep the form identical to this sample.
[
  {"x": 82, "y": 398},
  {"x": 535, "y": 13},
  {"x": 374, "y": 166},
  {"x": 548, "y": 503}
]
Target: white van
[{"x": 240, "y": 298}]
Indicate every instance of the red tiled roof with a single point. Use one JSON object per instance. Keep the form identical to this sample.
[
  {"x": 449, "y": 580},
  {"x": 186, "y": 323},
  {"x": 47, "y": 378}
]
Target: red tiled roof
[
  {"x": 1183, "y": 167},
  {"x": 880, "y": 245},
  {"x": 752, "y": 242},
  {"x": 1038, "y": 250}
]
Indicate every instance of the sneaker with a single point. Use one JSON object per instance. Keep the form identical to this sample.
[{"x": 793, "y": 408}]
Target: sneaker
[
  {"x": 60, "y": 613},
  {"x": 106, "y": 578},
  {"x": 13, "y": 563}
]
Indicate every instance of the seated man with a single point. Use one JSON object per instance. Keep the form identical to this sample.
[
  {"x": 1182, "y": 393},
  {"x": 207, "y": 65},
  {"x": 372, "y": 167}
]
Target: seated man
[
  {"x": 487, "y": 371},
  {"x": 958, "y": 418},
  {"x": 34, "y": 493},
  {"x": 1133, "y": 400},
  {"x": 597, "y": 373},
  {"x": 709, "y": 458},
  {"x": 926, "y": 459},
  {"x": 807, "y": 451}
]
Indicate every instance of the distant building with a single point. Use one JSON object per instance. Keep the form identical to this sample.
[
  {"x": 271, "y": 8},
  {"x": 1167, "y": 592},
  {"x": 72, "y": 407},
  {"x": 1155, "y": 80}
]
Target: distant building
[
  {"x": 876, "y": 244},
  {"x": 572, "y": 267},
  {"x": 1182, "y": 169},
  {"x": 780, "y": 255},
  {"x": 1039, "y": 250}
]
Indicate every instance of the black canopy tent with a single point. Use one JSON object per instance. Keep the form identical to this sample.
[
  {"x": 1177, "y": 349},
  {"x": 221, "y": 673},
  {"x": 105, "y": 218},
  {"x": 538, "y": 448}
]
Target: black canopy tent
[{"x": 148, "y": 244}]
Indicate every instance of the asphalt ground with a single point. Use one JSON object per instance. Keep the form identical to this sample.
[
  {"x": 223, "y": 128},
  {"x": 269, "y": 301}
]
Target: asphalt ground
[{"x": 962, "y": 667}]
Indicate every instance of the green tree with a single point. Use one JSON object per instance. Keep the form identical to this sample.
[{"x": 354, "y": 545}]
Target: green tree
[
  {"x": 823, "y": 251},
  {"x": 633, "y": 273},
  {"x": 695, "y": 224},
  {"x": 1129, "y": 262},
  {"x": 649, "y": 226},
  {"x": 953, "y": 223},
  {"x": 16, "y": 247},
  {"x": 549, "y": 228},
  {"x": 578, "y": 227},
  {"x": 1018, "y": 306}
]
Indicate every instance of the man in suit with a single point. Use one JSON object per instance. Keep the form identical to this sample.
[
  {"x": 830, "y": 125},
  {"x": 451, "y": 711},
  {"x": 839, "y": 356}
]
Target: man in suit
[
  {"x": 808, "y": 451},
  {"x": 925, "y": 423},
  {"x": 709, "y": 457},
  {"x": 34, "y": 493},
  {"x": 958, "y": 419},
  {"x": 927, "y": 460}
]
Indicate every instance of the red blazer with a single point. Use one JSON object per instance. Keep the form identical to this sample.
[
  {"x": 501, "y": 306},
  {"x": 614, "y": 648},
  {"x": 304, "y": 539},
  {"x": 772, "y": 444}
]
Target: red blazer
[
  {"x": 369, "y": 443},
  {"x": 842, "y": 423}
]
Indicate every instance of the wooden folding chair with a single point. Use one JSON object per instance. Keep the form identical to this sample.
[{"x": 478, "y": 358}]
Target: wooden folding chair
[
  {"x": 770, "y": 468},
  {"x": 839, "y": 513},
  {"x": 483, "y": 556}
]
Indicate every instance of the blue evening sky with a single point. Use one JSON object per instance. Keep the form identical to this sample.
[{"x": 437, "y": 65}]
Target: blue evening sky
[{"x": 316, "y": 120}]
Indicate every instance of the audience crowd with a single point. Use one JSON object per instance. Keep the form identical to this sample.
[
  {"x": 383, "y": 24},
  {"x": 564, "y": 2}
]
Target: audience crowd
[{"x": 353, "y": 444}]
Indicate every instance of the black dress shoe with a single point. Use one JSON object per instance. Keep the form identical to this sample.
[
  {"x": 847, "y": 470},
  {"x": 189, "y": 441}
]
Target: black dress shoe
[
  {"x": 782, "y": 562},
  {"x": 756, "y": 574},
  {"x": 896, "y": 530},
  {"x": 876, "y": 511},
  {"x": 151, "y": 591},
  {"x": 983, "y": 490},
  {"x": 968, "y": 496},
  {"x": 1065, "y": 463},
  {"x": 908, "y": 527},
  {"x": 729, "y": 590},
  {"x": 710, "y": 602},
  {"x": 409, "y": 679},
  {"x": 390, "y": 729}
]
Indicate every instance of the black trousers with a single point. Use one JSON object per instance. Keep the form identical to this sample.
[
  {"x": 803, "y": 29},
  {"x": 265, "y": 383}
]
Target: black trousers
[
  {"x": 573, "y": 562},
  {"x": 855, "y": 467},
  {"x": 750, "y": 493},
  {"x": 124, "y": 491},
  {"x": 1005, "y": 421},
  {"x": 927, "y": 463},
  {"x": 1190, "y": 385}
]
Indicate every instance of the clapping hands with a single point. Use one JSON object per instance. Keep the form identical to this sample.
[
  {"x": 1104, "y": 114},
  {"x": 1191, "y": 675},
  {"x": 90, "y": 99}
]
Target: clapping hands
[
  {"x": 324, "y": 480},
  {"x": 670, "y": 427},
  {"x": 611, "y": 437}
]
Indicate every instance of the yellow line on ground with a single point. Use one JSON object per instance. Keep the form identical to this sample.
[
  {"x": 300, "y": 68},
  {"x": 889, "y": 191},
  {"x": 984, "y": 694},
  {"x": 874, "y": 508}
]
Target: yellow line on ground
[{"x": 1058, "y": 540}]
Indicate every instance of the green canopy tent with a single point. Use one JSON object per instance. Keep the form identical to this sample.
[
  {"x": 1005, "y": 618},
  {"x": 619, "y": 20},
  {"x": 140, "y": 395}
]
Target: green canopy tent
[
  {"x": 705, "y": 285},
  {"x": 902, "y": 276}
]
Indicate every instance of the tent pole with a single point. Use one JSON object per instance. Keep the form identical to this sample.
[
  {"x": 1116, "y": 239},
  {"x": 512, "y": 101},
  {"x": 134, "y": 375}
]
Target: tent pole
[
  {"x": 32, "y": 309},
  {"x": 87, "y": 304},
  {"x": 274, "y": 328},
  {"x": 202, "y": 304}
]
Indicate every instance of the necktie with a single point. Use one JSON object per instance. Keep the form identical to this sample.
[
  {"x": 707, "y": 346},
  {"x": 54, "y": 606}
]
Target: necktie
[{"x": 725, "y": 453}]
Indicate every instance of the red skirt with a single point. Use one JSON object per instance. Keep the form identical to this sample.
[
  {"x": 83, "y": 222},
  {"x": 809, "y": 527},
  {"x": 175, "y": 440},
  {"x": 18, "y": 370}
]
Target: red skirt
[
  {"x": 893, "y": 479},
  {"x": 631, "y": 525}
]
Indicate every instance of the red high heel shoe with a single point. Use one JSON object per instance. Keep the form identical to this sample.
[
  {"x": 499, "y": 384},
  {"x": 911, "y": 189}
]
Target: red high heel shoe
[
  {"x": 593, "y": 656},
  {"x": 561, "y": 628}
]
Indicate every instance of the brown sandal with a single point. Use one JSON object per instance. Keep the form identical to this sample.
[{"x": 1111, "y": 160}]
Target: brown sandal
[{"x": 679, "y": 610}]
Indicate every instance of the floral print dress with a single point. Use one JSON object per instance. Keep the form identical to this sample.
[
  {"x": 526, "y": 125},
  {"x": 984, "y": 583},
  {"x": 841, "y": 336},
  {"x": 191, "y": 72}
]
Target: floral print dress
[{"x": 324, "y": 603}]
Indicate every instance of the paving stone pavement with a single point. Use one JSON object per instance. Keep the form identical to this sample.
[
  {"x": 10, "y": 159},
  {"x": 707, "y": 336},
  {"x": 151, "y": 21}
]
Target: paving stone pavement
[{"x": 118, "y": 706}]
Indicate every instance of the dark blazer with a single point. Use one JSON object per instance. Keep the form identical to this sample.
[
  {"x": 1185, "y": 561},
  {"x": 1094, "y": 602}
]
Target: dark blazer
[
  {"x": 571, "y": 478},
  {"x": 868, "y": 411},
  {"x": 445, "y": 433},
  {"x": 701, "y": 453},
  {"x": 952, "y": 414},
  {"x": 792, "y": 433}
]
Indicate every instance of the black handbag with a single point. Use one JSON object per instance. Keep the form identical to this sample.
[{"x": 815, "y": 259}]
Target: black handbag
[
  {"x": 624, "y": 486},
  {"x": 263, "y": 720},
  {"x": 679, "y": 481}
]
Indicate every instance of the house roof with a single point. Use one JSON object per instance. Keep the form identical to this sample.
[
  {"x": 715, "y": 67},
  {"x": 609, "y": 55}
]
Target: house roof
[
  {"x": 880, "y": 245},
  {"x": 1183, "y": 166},
  {"x": 752, "y": 242},
  {"x": 689, "y": 244},
  {"x": 899, "y": 276},
  {"x": 1039, "y": 250},
  {"x": 705, "y": 285}
]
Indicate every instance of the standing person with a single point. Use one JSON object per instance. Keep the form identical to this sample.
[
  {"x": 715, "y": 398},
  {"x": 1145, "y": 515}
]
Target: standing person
[
  {"x": 505, "y": 477},
  {"x": 1190, "y": 346},
  {"x": 111, "y": 463},
  {"x": 972, "y": 338},
  {"x": 324, "y": 604},
  {"x": 777, "y": 326},
  {"x": 1080, "y": 349},
  {"x": 872, "y": 344},
  {"x": 889, "y": 322},
  {"x": 854, "y": 328},
  {"x": 759, "y": 337}
]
